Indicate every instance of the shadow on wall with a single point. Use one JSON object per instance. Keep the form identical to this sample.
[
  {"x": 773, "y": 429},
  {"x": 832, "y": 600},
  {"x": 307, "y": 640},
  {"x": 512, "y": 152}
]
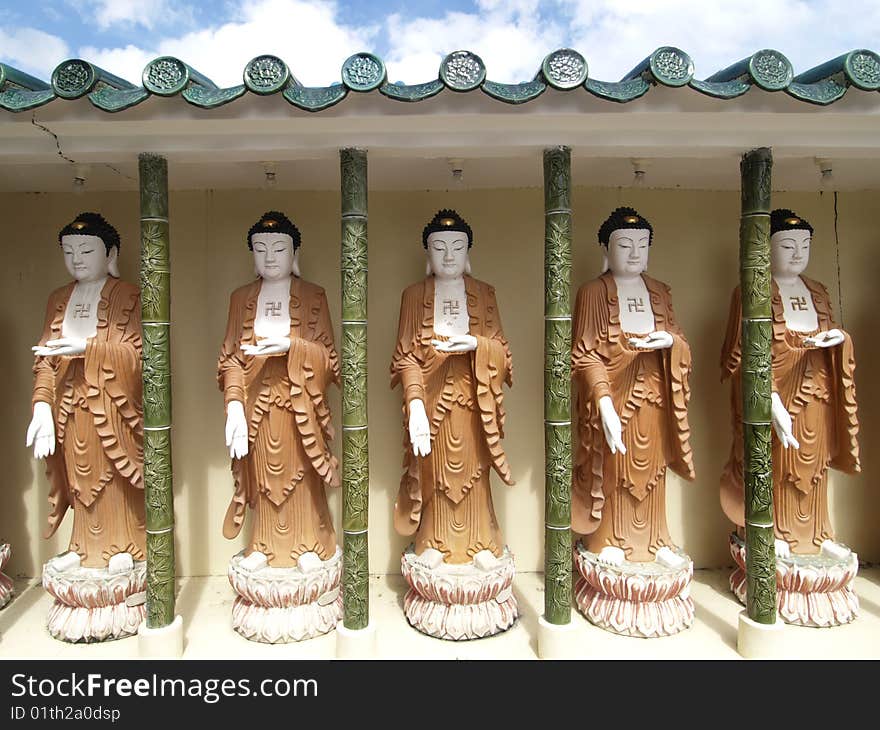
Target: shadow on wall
[{"x": 19, "y": 472}]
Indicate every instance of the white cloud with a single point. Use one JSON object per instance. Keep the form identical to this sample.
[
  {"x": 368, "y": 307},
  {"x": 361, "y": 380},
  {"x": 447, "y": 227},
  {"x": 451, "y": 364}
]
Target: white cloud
[
  {"x": 614, "y": 35},
  {"x": 127, "y": 62},
  {"x": 305, "y": 33},
  {"x": 147, "y": 13},
  {"x": 511, "y": 36},
  {"x": 33, "y": 51}
]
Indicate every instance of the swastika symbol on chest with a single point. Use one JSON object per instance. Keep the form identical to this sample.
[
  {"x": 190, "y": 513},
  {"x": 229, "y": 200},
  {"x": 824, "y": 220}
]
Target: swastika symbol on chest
[
  {"x": 635, "y": 304},
  {"x": 451, "y": 307},
  {"x": 273, "y": 309}
]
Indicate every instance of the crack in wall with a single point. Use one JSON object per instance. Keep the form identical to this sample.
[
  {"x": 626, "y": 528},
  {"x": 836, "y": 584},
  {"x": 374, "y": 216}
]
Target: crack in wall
[
  {"x": 119, "y": 172},
  {"x": 68, "y": 159},
  {"x": 54, "y": 136}
]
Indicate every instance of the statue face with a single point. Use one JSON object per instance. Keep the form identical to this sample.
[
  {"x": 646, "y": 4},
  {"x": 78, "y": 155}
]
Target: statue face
[
  {"x": 448, "y": 254},
  {"x": 789, "y": 253},
  {"x": 628, "y": 251},
  {"x": 86, "y": 257},
  {"x": 273, "y": 255}
]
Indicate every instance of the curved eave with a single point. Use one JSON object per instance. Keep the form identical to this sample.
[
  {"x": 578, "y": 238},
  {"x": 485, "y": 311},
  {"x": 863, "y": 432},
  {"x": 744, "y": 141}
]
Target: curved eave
[{"x": 461, "y": 72}]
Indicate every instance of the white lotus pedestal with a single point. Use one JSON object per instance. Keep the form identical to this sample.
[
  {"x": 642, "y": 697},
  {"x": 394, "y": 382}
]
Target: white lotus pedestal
[
  {"x": 95, "y": 604},
  {"x": 5, "y": 580},
  {"x": 459, "y": 602},
  {"x": 281, "y": 605},
  {"x": 811, "y": 590},
  {"x": 646, "y": 600}
]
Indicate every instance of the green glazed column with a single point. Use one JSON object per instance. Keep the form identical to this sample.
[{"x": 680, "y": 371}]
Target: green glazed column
[
  {"x": 557, "y": 385},
  {"x": 756, "y": 373},
  {"x": 156, "y": 315},
  {"x": 355, "y": 452}
]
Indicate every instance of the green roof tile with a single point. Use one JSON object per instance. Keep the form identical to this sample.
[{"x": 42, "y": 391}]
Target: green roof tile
[{"x": 461, "y": 71}]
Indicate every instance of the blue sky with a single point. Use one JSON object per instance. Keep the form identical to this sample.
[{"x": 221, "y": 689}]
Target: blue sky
[{"x": 412, "y": 36}]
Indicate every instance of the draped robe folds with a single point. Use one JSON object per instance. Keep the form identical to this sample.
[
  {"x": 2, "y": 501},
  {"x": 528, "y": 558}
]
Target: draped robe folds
[
  {"x": 619, "y": 499},
  {"x": 282, "y": 478},
  {"x": 817, "y": 388},
  {"x": 445, "y": 498},
  {"x": 97, "y": 467}
]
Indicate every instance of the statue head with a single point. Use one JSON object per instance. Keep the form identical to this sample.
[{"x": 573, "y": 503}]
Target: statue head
[
  {"x": 91, "y": 247},
  {"x": 790, "y": 238},
  {"x": 447, "y": 240},
  {"x": 626, "y": 236},
  {"x": 275, "y": 242}
]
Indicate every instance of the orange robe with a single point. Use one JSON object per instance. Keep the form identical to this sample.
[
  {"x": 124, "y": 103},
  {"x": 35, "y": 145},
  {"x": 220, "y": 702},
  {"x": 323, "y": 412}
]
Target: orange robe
[
  {"x": 445, "y": 499},
  {"x": 97, "y": 466},
  {"x": 816, "y": 386},
  {"x": 283, "y": 476},
  {"x": 619, "y": 499}
]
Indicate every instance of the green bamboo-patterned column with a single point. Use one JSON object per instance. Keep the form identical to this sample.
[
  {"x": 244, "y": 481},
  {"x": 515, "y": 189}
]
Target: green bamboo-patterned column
[
  {"x": 355, "y": 454},
  {"x": 754, "y": 257},
  {"x": 156, "y": 315},
  {"x": 557, "y": 385}
]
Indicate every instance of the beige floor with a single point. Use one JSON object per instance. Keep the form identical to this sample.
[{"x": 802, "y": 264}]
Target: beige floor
[{"x": 205, "y": 605}]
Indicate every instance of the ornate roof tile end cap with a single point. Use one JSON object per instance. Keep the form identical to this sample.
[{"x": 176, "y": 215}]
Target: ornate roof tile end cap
[
  {"x": 267, "y": 74},
  {"x": 363, "y": 72},
  {"x": 74, "y": 78},
  {"x": 462, "y": 71},
  {"x": 565, "y": 69}
]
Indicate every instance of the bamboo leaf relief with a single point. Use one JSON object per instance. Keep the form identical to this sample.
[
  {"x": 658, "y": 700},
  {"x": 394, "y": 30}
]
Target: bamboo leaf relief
[
  {"x": 355, "y": 581},
  {"x": 354, "y": 373},
  {"x": 557, "y": 261},
  {"x": 557, "y": 179},
  {"x": 557, "y": 473},
  {"x": 557, "y": 370},
  {"x": 158, "y": 482},
  {"x": 761, "y": 575},
  {"x": 154, "y": 246},
  {"x": 353, "y": 168},
  {"x": 151, "y": 293},
  {"x": 160, "y": 579},
  {"x": 355, "y": 479},
  {"x": 154, "y": 186},
  {"x": 557, "y": 576},
  {"x": 156, "y": 376},
  {"x": 354, "y": 268},
  {"x": 761, "y": 499}
]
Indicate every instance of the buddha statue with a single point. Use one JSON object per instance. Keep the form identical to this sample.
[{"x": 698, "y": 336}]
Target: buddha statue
[
  {"x": 631, "y": 364},
  {"x": 88, "y": 426},
  {"x": 276, "y": 363},
  {"x": 814, "y": 416},
  {"x": 452, "y": 360}
]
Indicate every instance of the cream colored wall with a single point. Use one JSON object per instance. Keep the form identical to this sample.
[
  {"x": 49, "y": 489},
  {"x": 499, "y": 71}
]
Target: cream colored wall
[{"x": 695, "y": 251}]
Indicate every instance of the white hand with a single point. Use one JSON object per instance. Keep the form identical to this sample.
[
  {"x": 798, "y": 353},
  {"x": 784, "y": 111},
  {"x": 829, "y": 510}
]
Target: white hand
[
  {"x": 61, "y": 346},
  {"x": 456, "y": 344},
  {"x": 236, "y": 430},
  {"x": 41, "y": 432},
  {"x": 782, "y": 422},
  {"x": 657, "y": 340},
  {"x": 268, "y": 346},
  {"x": 419, "y": 428},
  {"x": 611, "y": 425},
  {"x": 829, "y": 338}
]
